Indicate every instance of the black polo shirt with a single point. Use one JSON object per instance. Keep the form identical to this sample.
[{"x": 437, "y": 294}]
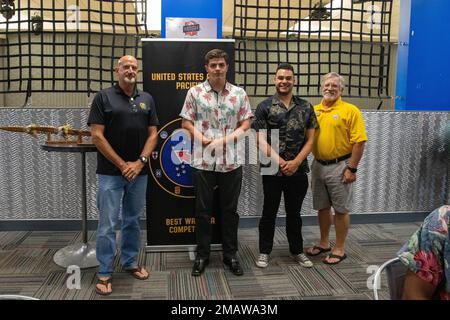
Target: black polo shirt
[
  {"x": 126, "y": 120},
  {"x": 292, "y": 124}
]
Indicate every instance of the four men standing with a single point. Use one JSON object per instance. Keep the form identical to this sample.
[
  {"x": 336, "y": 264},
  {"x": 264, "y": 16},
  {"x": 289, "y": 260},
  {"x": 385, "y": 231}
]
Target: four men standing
[{"x": 217, "y": 114}]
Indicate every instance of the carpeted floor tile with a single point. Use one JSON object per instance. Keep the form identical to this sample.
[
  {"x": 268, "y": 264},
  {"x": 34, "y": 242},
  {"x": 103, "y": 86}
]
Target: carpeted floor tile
[{"x": 27, "y": 268}]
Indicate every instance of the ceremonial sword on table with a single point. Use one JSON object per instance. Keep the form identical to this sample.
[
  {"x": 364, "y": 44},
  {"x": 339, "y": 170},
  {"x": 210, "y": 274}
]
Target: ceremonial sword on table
[{"x": 65, "y": 131}]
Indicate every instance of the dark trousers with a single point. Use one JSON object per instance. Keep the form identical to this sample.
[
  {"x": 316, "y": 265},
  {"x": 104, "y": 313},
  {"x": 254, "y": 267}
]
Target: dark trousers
[
  {"x": 294, "y": 189},
  {"x": 229, "y": 184}
]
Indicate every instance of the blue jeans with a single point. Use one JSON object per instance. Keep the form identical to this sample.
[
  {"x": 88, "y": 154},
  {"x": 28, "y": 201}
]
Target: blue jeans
[{"x": 114, "y": 192}]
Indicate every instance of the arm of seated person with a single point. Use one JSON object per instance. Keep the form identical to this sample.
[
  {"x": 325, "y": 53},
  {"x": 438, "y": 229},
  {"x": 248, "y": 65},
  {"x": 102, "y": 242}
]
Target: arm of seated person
[
  {"x": 424, "y": 254},
  {"x": 415, "y": 288}
]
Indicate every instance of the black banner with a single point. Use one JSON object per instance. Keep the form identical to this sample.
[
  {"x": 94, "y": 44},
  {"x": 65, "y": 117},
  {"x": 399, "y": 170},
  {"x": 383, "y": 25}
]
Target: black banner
[{"x": 170, "y": 68}]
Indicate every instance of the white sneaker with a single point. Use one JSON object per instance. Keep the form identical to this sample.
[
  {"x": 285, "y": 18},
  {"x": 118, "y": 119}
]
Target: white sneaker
[
  {"x": 263, "y": 260},
  {"x": 302, "y": 260}
]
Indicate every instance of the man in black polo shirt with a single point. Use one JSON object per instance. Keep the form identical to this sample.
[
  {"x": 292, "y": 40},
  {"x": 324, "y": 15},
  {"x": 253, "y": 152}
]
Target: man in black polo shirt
[
  {"x": 123, "y": 124},
  {"x": 296, "y": 122}
]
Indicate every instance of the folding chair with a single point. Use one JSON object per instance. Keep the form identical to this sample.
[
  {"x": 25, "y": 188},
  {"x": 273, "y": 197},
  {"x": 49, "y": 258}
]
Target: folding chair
[
  {"x": 395, "y": 271},
  {"x": 15, "y": 297}
]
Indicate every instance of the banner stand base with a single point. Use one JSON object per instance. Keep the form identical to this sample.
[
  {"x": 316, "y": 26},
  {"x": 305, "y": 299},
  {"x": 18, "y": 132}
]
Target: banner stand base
[{"x": 177, "y": 248}]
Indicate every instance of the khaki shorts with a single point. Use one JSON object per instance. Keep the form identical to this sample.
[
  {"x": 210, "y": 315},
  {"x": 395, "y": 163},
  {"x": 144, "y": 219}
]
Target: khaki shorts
[{"x": 328, "y": 189}]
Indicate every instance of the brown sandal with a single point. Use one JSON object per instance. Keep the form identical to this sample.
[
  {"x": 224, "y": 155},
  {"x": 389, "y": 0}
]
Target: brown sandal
[
  {"x": 319, "y": 251},
  {"x": 103, "y": 283},
  {"x": 134, "y": 272}
]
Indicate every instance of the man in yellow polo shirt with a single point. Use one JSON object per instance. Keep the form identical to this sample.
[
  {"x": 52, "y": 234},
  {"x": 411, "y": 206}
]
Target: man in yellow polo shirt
[{"x": 338, "y": 148}]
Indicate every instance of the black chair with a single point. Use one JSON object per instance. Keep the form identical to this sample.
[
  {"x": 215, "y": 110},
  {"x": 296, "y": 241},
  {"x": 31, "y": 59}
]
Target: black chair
[{"x": 395, "y": 272}]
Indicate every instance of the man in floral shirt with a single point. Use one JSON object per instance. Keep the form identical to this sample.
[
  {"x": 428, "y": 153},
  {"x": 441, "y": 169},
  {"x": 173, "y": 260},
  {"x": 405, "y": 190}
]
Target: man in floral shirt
[
  {"x": 216, "y": 114},
  {"x": 427, "y": 256}
]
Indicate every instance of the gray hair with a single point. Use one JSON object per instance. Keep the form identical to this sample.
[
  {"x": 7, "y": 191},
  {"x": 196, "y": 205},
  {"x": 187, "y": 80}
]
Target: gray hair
[{"x": 335, "y": 75}]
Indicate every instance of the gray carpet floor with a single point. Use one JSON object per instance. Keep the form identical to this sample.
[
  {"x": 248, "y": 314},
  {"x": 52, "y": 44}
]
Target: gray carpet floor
[{"x": 27, "y": 268}]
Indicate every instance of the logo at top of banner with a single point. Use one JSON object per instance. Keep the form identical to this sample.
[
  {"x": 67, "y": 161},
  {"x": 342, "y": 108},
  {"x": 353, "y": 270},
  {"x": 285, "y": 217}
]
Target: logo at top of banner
[
  {"x": 170, "y": 162},
  {"x": 191, "y": 28}
]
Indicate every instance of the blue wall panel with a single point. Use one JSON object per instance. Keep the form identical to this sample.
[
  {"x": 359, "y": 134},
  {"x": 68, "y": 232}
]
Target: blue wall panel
[
  {"x": 423, "y": 67},
  {"x": 191, "y": 9}
]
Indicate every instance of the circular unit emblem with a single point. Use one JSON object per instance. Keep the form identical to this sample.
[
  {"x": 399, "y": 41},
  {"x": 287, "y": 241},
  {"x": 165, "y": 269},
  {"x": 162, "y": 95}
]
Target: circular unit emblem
[{"x": 170, "y": 162}]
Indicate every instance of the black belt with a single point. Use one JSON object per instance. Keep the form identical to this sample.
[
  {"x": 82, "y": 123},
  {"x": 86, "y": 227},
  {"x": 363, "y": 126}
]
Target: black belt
[{"x": 333, "y": 161}]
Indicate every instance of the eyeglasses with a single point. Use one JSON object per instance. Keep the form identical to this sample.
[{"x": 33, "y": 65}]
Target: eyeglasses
[{"x": 133, "y": 105}]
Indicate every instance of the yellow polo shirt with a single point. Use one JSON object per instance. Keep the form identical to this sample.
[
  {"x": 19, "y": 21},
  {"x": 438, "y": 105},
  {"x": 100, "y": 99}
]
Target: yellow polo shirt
[{"x": 340, "y": 127}]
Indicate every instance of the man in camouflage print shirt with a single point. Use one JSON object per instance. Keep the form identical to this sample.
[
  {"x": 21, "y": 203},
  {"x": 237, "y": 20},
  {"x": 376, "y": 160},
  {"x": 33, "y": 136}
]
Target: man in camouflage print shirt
[{"x": 296, "y": 122}]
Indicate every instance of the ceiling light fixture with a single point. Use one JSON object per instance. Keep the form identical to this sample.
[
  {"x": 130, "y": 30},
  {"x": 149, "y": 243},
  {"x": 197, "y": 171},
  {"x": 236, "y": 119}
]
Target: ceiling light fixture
[
  {"x": 7, "y": 9},
  {"x": 319, "y": 12},
  {"x": 37, "y": 24}
]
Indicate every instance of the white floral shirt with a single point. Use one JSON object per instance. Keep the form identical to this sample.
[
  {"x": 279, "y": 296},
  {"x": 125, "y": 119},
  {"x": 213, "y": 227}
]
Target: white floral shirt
[{"x": 215, "y": 115}]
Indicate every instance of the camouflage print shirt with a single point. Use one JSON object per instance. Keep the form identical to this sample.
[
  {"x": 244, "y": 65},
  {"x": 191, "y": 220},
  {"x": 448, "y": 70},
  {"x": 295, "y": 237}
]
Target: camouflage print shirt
[{"x": 292, "y": 124}]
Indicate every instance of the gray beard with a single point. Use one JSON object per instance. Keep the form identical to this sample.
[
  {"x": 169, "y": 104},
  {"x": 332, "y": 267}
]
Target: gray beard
[
  {"x": 130, "y": 81},
  {"x": 330, "y": 99}
]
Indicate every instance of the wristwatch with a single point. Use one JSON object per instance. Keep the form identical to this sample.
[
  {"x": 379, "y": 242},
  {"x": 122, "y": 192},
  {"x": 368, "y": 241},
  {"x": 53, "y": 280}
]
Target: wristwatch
[
  {"x": 143, "y": 159},
  {"x": 352, "y": 170}
]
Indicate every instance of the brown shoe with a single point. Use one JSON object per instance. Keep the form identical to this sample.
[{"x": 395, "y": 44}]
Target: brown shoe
[
  {"x": 137, "y": 273},
  {"x": 107, "y": 283},
  {"x": 318, "y": 250}
]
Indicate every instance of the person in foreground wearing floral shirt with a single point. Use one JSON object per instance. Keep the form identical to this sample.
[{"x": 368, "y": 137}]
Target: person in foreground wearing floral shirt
[
  {"x": 216, "y": 114},
  {"x": 427, "y": 256}
]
